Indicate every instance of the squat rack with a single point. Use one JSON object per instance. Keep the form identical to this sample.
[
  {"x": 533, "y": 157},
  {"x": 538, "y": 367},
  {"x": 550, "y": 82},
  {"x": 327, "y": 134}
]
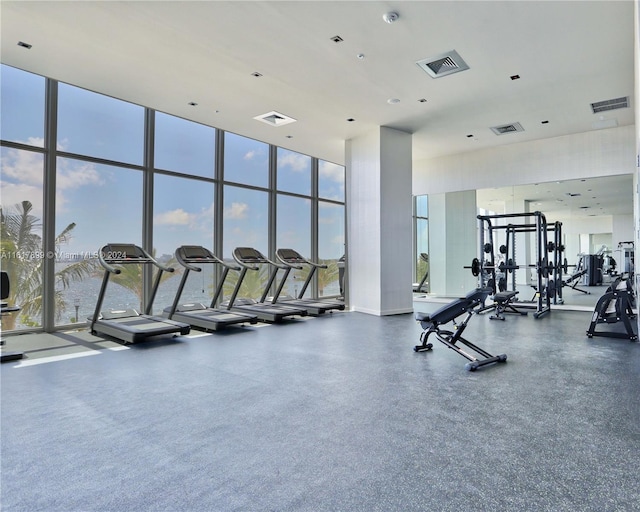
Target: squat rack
[{"x": 542, "y": 265}]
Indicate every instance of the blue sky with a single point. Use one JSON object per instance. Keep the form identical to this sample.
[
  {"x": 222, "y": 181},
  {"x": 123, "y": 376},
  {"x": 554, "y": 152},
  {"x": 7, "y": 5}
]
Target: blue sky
[{"x": 105, "y": 201}]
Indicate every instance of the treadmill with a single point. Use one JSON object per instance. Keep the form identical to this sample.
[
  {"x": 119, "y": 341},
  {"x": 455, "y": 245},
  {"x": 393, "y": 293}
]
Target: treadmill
[
  {"x": 249, "y": 259},
  {"x": 293, "y": 260},
  {"x": 196, "y": 314},
  {"x": 128, "y": 325}
]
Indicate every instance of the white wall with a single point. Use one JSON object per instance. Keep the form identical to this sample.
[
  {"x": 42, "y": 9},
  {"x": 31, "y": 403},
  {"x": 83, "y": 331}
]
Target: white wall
[
  {"x": 453, "y": 232},
  {"x": 586, "y": 155}
]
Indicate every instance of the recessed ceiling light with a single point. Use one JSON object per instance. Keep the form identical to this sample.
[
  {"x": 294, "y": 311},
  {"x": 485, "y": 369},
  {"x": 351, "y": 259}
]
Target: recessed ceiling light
[
  {"x": 470, "y": 135},
  {"x": 289, "y": 136},
  {"x": 545, "y": 122},
  {"x": 422, "y": 100},
  {"x": 25, "y": 45},
  {"x": 337, "y": 39},
  {"x": 360, "y": 56},
  {"x": 274, "y": 118},
  {"x": 393, "y": 101},
  {"x": 256, "y": 74},
  {"x": 514, "y": 77},
  {"x": 351, "y": 119},
  {"x": 192, "y": 103}
]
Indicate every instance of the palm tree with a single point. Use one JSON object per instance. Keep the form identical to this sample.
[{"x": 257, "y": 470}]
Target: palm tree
[
  {"x": 327, "y": 276},
  {"x": 23, "y": 260},
  {"x": 252, "y": 285}
]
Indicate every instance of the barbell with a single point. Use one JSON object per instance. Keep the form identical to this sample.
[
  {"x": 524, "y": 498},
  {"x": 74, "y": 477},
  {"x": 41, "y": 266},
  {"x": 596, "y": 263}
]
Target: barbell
[{"x": 477, "y": 267}]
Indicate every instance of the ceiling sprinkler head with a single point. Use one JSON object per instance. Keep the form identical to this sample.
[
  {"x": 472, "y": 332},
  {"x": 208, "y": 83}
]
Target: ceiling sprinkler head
[{"x": 390, "y": 17}]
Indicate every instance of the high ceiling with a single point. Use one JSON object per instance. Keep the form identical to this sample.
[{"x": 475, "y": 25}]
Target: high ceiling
[{"x": 167, "y": 54}]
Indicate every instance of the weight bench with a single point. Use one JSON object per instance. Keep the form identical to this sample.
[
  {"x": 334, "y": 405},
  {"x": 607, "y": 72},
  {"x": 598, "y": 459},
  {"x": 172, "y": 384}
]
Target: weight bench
[
  {"x": 504, "y": 304},
  {"x": 432, "y": 322}
]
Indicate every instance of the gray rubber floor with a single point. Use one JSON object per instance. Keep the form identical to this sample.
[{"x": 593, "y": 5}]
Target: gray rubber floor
[{"x": 330, "y": 414}]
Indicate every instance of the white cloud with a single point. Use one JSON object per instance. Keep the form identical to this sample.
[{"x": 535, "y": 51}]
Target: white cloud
[
  {"x": 14, "y": 193},
  {"x": 73, "y": 174},
  {"x": 176, "y": 217},
  {"x": 249, "y": 155},
  {"x": 331, "y": 171},
  {"x": 202, "y": 220},
  {"x": 23, "y": 172},
  {"x": 236, "y": 211},
  {"x": 27, "y": 167},
  {"x": 296, "y": 161}
]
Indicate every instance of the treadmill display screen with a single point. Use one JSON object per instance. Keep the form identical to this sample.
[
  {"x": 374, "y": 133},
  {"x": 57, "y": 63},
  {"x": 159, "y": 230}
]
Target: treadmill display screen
[
  {"x": 119, "y": 252},
  {"x": 195, "y": 252},
  {"x": 247, "y": 253}
]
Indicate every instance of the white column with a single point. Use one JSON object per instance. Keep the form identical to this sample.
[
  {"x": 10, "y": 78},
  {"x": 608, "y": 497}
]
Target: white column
[{"x": 379, "y": 222}]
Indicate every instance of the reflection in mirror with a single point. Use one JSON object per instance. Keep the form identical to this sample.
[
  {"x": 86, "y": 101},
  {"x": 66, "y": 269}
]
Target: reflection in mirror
[{"x": 597, "y": 220}]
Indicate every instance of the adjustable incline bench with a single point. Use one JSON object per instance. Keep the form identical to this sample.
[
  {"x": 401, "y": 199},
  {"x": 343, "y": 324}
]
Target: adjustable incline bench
[{"x": 432, "y": 322}]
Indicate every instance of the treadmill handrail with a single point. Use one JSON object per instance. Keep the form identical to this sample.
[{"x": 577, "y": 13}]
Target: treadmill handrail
[
  {"x": 116, "y": 258},
  {"x": 208, "y": 258},
  {"x": 257, "y": 258},
  {"x": 298, "y": 256}
]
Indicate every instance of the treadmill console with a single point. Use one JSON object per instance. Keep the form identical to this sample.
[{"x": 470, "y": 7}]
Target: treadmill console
[
  {"x": 118, "y": 253},
  {"x": 290, "y": 256},
  {"x": 249, "y": 255},
  {"x": 195, "y": 252}
]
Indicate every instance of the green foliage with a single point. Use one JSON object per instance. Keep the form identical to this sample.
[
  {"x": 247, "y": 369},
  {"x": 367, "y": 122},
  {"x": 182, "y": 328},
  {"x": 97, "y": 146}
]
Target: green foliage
[
  {"x": 23, "y": 259},
  {"x": 252, "y": 285},
  {"x": 327, "y": 276}
]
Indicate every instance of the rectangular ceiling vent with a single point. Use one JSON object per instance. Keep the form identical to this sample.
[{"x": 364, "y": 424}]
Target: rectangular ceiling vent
[
  {"x": 443, "y": 64},
  {"x": 507, "y": 128},
  {"x": 604, "y": 106},
  {"x": 274, "y": 118}
]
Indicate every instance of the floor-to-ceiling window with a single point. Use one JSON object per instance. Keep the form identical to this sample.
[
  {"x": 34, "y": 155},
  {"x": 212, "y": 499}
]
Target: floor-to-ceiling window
[
  {"x": 294, "y": 203},
  {"x": 21, "y": 178},
  {"x": 331, "y": 225},
  {"x": 421, "y": 242},
  {"x": 183, "y": 203},
  {"x": 96, "y": 202},
  {"x": 122, "y": 173}
]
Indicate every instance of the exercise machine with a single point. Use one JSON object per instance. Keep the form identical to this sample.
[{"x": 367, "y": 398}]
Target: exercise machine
[
  {"x": 487, "y": 271},
  {"x": 294, "y": 260},
  {"x": 249, "y": 258},
  {"x": 129, "y": 326},
  {"x": 5, "y": 291},
  {"x": 196, "y": 314},
  {"x": 576, "y": 277},
  {"x": 432, "y": 324},
  {"x": 616, "y": 305}
]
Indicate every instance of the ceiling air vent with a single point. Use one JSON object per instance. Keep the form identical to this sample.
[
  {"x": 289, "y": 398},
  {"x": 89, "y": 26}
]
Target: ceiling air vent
[
  {"x": 507, "y": 128},
  {"x": 603, "y": 106},
  {"x": 443, "y": 64},
  {"x": 275, "y": 118}
]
